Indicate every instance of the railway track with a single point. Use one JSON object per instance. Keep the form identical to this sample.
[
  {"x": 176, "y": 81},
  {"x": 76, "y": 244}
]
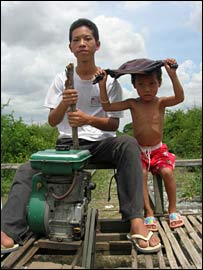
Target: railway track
[{"x": 105, "y": 247}]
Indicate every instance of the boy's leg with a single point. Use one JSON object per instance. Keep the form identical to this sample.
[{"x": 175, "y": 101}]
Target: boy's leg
[
  {"x": 147, "y": 207},
  {"x": 175, "y": 219},
  {"x": 170, "y": 186}
]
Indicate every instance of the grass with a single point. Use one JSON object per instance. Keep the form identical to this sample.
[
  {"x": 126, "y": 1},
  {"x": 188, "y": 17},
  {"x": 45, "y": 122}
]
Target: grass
[{"x": 189, "y": 187}]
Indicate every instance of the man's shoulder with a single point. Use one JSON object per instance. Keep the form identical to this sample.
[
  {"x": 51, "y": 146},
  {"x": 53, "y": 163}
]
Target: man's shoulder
[{"x": 60, "y": 75}]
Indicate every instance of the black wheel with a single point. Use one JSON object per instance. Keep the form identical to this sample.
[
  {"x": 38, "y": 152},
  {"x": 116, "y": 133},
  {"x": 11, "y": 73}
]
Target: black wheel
[{"x": 89, "y": 246}]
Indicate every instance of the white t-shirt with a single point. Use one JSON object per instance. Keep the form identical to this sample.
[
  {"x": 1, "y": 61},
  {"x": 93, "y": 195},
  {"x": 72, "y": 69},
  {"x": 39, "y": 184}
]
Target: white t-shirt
[{"x": 88, "y": 102}]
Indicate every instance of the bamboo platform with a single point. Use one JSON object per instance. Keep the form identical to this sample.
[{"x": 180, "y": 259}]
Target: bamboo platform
[{"x": 181, "y": 249}]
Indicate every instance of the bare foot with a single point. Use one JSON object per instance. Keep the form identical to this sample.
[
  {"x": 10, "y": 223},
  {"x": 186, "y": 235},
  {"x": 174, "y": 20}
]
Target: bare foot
[
  {"x": 6, "y": 241},
  {"x": 138, "y": 227}
]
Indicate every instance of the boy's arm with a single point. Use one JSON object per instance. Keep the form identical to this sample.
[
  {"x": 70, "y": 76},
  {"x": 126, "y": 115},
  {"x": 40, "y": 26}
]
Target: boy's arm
[
  {"x": 177, "y": 87},
  {"x": 107, "y": 106}
]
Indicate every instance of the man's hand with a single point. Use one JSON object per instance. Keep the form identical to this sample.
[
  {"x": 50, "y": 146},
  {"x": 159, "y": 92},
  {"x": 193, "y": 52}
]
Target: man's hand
[
  {"x": 70, "y": 97},
  {"x": 78, "y": 118}
]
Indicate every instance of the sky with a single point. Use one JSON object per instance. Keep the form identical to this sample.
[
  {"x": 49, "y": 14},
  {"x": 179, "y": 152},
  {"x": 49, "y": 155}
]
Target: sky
[{"x": 34, "y": 47}]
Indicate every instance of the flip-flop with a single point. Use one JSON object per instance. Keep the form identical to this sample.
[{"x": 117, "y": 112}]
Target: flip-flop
[
  {"x": 151, "y": 223},
  {"x": 175, "y": 217},
  {"x": 134, "y": 239},
  {"x": 5, "y": 250}
]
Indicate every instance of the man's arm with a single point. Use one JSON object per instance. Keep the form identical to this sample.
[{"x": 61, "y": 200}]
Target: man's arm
[
  {"x": 56, "y": 115},
  {"x": 79, "y": 118}
]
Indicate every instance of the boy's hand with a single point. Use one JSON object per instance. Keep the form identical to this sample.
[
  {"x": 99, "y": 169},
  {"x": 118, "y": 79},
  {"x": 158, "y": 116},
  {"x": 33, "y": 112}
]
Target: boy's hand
[
  {"x": 100, "y": 76},
  {"x": 170, "y": 66}
]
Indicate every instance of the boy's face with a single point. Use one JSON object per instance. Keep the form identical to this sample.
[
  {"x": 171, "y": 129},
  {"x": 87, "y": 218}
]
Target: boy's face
[
  {"x": 83, "y": 44},
  {"x": 147, "y": 86}
]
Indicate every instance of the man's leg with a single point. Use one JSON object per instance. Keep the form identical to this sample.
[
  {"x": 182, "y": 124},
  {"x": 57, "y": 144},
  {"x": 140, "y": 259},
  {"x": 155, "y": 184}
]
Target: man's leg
[
  {"x": 14, "y": 212},
  {"x": 124, "y": 152}
]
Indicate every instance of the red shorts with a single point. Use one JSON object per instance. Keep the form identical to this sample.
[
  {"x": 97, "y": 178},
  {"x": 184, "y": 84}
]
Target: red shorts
[{"x": 154, "y": 160}]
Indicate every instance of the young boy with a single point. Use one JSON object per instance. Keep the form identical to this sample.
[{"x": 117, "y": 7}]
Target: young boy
[{"x": 148, "y": 118}]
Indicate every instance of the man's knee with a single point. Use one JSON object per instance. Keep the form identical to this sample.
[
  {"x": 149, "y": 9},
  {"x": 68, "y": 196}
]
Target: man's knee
[{"x": 130, "y": 143}]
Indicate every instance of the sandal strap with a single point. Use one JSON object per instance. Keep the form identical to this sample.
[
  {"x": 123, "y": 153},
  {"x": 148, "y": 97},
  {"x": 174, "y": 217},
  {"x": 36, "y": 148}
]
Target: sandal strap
[
  {"x": 175, "y": 216},
  {"x": 139, "y": 236},
  {"x": 150, "y": 221}
]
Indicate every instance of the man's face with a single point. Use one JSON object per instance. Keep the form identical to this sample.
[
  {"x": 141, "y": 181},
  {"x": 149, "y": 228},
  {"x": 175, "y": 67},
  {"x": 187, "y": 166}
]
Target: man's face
[{"x": 83, "y": 44}]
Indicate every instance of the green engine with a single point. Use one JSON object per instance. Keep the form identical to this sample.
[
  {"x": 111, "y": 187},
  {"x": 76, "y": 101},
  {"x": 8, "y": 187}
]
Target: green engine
[{"x": 60, "y": 194}]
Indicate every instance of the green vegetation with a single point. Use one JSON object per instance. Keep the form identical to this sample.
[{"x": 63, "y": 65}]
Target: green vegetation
[{"x": 182, "y": 134}]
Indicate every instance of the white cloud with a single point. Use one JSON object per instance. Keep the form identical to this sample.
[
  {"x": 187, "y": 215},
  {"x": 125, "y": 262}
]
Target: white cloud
[
  {"x": 196, "y": 15},
  {"x": 120, "y": 43},
  {"x": 131, "y": 6},
  {"x": 34, "y": 43}
]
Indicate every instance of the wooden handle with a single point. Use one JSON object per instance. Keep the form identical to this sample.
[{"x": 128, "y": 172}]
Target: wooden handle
[{"x": 69, "y": 84}]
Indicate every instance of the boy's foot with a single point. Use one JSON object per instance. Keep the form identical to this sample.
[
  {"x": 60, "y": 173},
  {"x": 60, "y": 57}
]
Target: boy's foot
[
  {"x": 151, "y": 223},
  {"x": 7, "y": 244},
  {"x": 175, "y": 220}
]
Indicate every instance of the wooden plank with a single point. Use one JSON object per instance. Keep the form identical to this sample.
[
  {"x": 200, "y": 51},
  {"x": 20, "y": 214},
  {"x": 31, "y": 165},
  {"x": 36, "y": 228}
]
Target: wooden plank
[
  {"x": 179, "y": 163},
  {"x": 113, "y": 225},
  {"x": 77, "y": 257},
  {"x": 158, "y": 194},
  {"x": 51, "y": 265},
  {"x": 134, "y": 259},
  {"x": 148, "y": 261},
  {"x": 192, "y": 252},
  {"x": 44, "y": 265},
  {"x": 196, "y": 224},
  {"x": 110, "y": 237},
  {"x": 91, "y": 241},
  {"x": 48, "y": 244},
  {"x": 114, "y": 247},
  {"x": 192, "y": 233},
  {"x": 10, "y": 166},
  {"x": 169, "y": 252},
  {"x": 160, "y": 256},
  {"x": 86, "y": 239},
  {"x": 199, "y": 218},
  {"x": 176, "y": 247},
  {"x": 188, "y": 162}
]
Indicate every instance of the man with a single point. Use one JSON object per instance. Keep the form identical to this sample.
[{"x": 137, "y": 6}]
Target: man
[{"x": 96, "y": 132}]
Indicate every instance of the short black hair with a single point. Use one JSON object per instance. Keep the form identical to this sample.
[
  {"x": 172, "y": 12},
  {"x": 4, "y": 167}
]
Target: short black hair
[
  {"x": 84, "y": 22},
  {"x": 158, "y": 72}
]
